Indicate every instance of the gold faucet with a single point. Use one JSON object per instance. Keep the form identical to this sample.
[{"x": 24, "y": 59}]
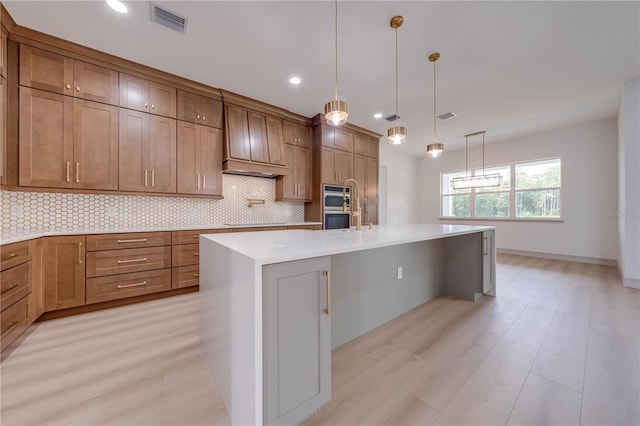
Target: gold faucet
[{"x": 357, "y": 215}]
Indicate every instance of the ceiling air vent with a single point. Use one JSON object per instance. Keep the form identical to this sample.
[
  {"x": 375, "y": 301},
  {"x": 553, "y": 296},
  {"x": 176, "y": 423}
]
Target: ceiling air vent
[
  {"x": 168, "y": 18},
  {"x": 447, "y": 115},
  {"x": 392, "y": 118}
]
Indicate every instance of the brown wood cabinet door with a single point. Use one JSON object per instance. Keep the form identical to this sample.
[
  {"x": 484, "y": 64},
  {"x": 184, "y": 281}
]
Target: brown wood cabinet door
[
  {"x": 370, "y": 213},
  {"x": 134, "y": 93},
  {"x": 63, "y": 272},
  {"x": 302, "y": 172},
  {"x": 211, "y": 112},
  {"x": 360, "y": 174},
  {"x": 343, "y": 166},
  {"x": 371, "y": 183},
  {"x": 95, "y": 83},
  {"x": 45, "y": 70},
  {"x": 133, "y": 151},
  {"x": 162, "y": 154},
  {"x": 289, "y": 132},
  {"x": 275, "y": 140},
  {"x": 46, "y": 139},
  {"x": 188, "y": 106},
  {"x": 329, "y": 173},
  {"x": 258, "y": 137},
  {"x": 237, "y": 129},
  {"x": 360, "y": 144},
  {"x": 3, "y": 54},
  {"x": 3, "y": 129},
  {"x": 286, "y": 185},
  {"x": 162, "y": 100},
  {"x": 95, "y": 145},
  {"x": 211, "y": 140},
  {"x": 343, "y": 139},
  {"x": 304, "y": 136},
  {"x": 188, "y": 162}
]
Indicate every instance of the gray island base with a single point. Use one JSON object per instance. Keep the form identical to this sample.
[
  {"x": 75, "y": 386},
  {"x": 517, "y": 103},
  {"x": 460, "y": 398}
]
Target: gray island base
[{"x": 274, "y": 304}]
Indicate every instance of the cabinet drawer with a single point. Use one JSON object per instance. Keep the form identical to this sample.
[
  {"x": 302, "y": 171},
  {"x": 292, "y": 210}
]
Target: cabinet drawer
[
  {"x": 186, "y": 254},
  {"x": 127, "y": 285},
  {"x": 185, "y": 276},
  {"x": 127, "y": 241},
  {"x": 15, "y": 284},
  {"x": 110, "y": 262},
  {"x": 14, "y": 254},
  {"x": 14, "y": 321},
  {"x": 190, "y": 237}
]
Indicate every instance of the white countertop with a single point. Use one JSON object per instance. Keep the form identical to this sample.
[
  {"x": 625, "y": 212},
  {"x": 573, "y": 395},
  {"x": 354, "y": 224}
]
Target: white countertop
[
  {"x": 8, "y": 237},
  {"x": 282, "y": 246}
]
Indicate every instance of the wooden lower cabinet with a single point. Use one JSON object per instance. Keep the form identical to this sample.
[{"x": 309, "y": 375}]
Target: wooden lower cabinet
[
  {"x": 63, "y": 272},
  {"x": 14, "y": 321},
  {"x": 102, "y": 289},
  {"x": 111, "y": 262},
  {"x": 297, "y": 350},
  {"x": 185, "y": 276},
  {"x": 15, "y": 284}
]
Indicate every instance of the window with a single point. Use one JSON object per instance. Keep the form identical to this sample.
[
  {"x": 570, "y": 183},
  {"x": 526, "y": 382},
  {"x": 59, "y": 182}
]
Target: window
[{"x": 528, "y": 190}]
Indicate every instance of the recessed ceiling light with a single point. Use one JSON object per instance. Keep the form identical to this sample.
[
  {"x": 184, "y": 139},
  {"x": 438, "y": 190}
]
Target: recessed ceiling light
[
  {"x": 377, "y": 115},
  {"x": 295, "y": 80},
  {"x": 117, "y": 5}
]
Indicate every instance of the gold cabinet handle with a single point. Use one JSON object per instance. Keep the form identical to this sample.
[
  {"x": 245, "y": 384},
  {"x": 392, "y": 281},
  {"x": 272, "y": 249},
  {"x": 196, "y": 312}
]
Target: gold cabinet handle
[
  {"x": 195, "y": 253},
  {"x": 142, "y": 259},
  {"x": 204, "y": 182},
  {"x": 153, "y": 178},
  {"x": 77, "y": 88},
  {"x": 132, "y": 285},
  {"x": 198, "y": 181},
  {"x": 68, "y": 171},
  {"x": 196, "y": 236},
  {"x": 12, "y": 254},
  {"x": 11, "y": 287},
  {"x": 153, "y": 106},
  {"x": 204, "y": 118},
  {"x": 145, "y": 178},
  {"x": 68, "y": 86},
  {"x": 198, "y": 117},
  {"x": 486, "y": 248},
  {"x": 10, "y": 327},
  {"x": 327, "y": 310},
  {"x": 79, "y": 253},
  {"x": 77, "y": 172},
  {"x": 196, "y": 275},
  {"x": 135, "y": 240},
  {"x": 146, "y": 105}
]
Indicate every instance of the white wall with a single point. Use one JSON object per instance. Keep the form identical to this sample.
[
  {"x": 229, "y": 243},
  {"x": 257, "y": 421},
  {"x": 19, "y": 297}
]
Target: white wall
[
  {"x": 400, "y": 202},
  {"x": 629, "y": 184},
  {"x": 589, "y": 191}
]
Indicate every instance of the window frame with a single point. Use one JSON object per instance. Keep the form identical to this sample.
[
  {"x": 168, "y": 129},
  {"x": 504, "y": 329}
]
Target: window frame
[{"x": 512, "y": 195}]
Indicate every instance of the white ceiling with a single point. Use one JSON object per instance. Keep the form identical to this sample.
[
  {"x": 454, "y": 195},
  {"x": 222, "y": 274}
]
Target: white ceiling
[{"x": 510, "y": 68}]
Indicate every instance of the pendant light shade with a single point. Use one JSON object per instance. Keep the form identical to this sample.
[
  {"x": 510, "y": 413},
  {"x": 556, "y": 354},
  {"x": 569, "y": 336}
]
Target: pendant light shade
[
  {"x": 436, "y": 148},
  {"x": 397, "y": 133},
  {"x": 336, "y": 110}
]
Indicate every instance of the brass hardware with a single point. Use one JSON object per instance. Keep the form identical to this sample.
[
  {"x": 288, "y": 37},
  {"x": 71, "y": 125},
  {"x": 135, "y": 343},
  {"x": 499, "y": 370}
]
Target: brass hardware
[
  {"x": 198, "y": 117},
  {"x": 132, "y": 285},
  {"x": 196, "y": 236},
  {"x": 396, "y": 21},
  {"x": 370, "y": 225},
  {"x": 153, "y": 106},
  {"x": 153, "y": 178},
  {"x": 336, "y": 110},
  {"x": 357, "y": 214},
  {"x": 486, "y": 245},
  {"x": 196, "y": 253},
  {"x": 10, "y": 327},
  {"x": 146, "y": 105},
  {"x": 77, "y": 88},
  {"x": 79, "y": 253},
  {"x": 198, "y": 181},
  {"x": 204, "y": 118},
  {"x": 68, "y": 171},
  {"x": 68, "y": 86},
  {"x": 434, "y": 57},
  {"x": 145, "y": 177},
  {"x": 12, "y": 255},
  {"x": 327, "y": 310},
  {"x": 254, "y": 201},
  {"x": 204, "y": 182},
  {"x": 137, "y": 240},
  {"x": 78, "y": 172},
  {"x": 10, "y": 288},
  {"x": 143, "y": 259},
  {"x": 196, "y": 275}
]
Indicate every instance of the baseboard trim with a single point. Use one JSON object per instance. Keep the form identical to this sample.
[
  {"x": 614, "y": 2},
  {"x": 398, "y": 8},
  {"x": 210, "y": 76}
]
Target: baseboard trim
[
  {"x": 631, "y": 283},
  {"x": 564, "y": 257}
]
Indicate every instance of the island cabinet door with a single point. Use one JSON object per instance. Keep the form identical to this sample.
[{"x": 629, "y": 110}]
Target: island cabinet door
[
  {"x": 488, "y": 261},
  {"x": 296, "y": 340}
]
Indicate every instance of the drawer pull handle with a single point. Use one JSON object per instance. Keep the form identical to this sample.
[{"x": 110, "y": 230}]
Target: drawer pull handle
[
  {"x": 68, "y": 171},
  {"x": 11, "y": 287},
  {"x": 153, "y": 178},
  {"x": 77, "y": 172},
  {"x": 132, "y": 285},
  {"x": 486, "y": 250},
  {"x": 196, "y": 275},
  {"x": 137, "y": 240},
  {"x": 196, "y": 253},
  {"x": 79, "y": 253},
  {"x": 12, "y": 255},
  {"x": 143, "y": 259},
  {"x": 327, "y": 310},
  {"x": 196, "y": 236},
  {"x": 13, "y": 324}
]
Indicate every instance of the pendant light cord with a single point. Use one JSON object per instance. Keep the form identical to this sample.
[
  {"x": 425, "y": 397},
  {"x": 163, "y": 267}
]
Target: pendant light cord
[
  {"x": 482, "y": 153},
  {"x": 466, "y": 155},
  {"x": 336, "y": 40},
  {"x": 397, "y": 113},
  {"x": 435, "y": 134}
]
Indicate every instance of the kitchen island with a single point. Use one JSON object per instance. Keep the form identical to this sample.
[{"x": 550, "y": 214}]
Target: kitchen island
[{"x": 274, "y": 304}]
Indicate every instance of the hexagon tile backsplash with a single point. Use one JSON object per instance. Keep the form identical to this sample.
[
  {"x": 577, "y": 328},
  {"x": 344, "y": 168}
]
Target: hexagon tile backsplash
[{"x": 47, "y": 211}]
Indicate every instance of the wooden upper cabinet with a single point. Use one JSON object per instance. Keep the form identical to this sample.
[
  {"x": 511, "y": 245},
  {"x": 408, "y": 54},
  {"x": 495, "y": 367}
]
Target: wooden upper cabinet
[
  {"x": 296, "y": 134},
  {"x": 3, "y": 130},
  {"x": 336, "y": 166},
  {"x": 237, "y": 128},
  {"x": 365, "y": 172},
  {"x": 199, "y": 109},
  {"x": 67, "y": 143},
  {"x": 95, "y": 145},
  {"x": 337, "y": 138},
  {"x": 147, "y": 96},
  {"x": 63, "y": 267},
  {"x": 199, "y": 159},
  {"x": 49, "y": 71},
  {"x": 258, "y": 137},
  {"x": 147, "y": 152},
  {"x": 275, "y": 140},
  {"x": 365, "y": 145},
  {"x": 295, "y": 185},
  {"x": 3, "y": 54}
]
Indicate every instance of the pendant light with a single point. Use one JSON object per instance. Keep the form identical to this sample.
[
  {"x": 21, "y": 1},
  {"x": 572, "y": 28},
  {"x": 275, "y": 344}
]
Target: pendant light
[
  {"x": 398, "y": 132},
  {"x": 434, "y": 149},
  {"x": 480, "y": 181},
  {"x": 336, "y": 110}
]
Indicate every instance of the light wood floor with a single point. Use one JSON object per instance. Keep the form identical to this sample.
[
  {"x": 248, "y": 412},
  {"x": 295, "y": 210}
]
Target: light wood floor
[{"x": 559, "y": 346}]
